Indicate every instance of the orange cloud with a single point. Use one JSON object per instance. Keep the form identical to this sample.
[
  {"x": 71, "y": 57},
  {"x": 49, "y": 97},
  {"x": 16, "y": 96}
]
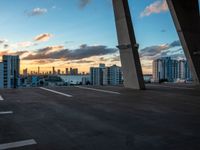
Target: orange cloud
[
  {"x": 155, "y": 8},
  {"x": 43, "y": 37},
  {"x": 10, "y": 52}
]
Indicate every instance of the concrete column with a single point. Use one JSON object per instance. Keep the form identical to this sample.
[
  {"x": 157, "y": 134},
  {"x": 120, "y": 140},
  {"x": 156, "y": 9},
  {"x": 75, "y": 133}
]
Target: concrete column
[
  {"x": 131, "y": 66},
  {"x": 186, "y": 18}
]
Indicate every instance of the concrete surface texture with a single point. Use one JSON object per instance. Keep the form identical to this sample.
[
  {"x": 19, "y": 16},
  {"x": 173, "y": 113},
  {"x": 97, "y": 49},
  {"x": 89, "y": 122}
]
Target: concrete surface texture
[
  {"x": 128, "y": 46},
  {"x": 164, "y": 117}
]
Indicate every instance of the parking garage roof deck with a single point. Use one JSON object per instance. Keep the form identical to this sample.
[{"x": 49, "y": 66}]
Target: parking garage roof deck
[{"x": 100, "y": 118}]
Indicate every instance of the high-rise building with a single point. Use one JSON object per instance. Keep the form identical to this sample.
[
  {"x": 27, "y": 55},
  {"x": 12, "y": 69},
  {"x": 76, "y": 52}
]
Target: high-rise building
[
  {"x": 38, "y": 70},
  {"x": 25, "y": 72},
  {"x": 66, "y": 71},
  {"x": 1, "y": 75},
  {"x": 158, "y": 72},
  {"x": 175, "y": 71},
  {"x": 53, "y": 71},
  {"x": 11, "y": 71},
  {"x": 170, "y": 70},
  {"x": 184, "y": 71},
  {"x": 181, "y": 69},
  {"x": 59, "y": 72},
  {"x": 73, "y": 71},
  {"x": 103, "y": 75},
  {"x": 96, "y": 75},
  {"x": 188, "y": 73},
  {"x": 112, "y": 75}
]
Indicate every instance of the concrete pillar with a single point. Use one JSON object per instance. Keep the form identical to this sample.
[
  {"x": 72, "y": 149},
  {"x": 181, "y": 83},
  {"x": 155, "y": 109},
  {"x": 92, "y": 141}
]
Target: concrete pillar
[
  {"x": 186, "y": 18},
  {"x": 131, "y": 66}
]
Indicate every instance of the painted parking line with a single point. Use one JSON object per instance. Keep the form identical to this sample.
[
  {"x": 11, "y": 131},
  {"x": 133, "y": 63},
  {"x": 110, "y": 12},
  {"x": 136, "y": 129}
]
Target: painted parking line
[
  {"x": 1, "y": 98},
  {"x": 17, "y": 144},
  {"x": 6, "y": 112},
  {"x": 56, "y": 92},
  {"x": 98, "y": 90}
]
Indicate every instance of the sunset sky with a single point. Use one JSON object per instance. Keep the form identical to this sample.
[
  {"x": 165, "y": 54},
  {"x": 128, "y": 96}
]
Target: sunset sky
[{"x": 81, "y": 33}]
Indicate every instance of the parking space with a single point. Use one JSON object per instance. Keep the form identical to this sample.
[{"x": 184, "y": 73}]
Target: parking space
[{"x": 100, "y": 118}]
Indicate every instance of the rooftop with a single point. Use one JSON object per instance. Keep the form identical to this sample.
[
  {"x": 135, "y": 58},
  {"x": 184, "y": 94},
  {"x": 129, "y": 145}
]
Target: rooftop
[{"x": 100, "y": 118}]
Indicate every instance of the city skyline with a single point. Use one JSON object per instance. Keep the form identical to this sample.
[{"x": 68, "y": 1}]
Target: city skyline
[{"x": 47, "y": 33}]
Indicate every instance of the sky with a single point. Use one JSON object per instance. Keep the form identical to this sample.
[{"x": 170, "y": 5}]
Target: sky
[{"x": 82, "y": 33}]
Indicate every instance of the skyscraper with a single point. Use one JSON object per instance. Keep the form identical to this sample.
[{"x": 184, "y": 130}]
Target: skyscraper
[
  {"x": 53, "y": 71},
  {"x": 112, "y": 75},
  {"x": 188, "y": 73},
  {"x": 25, "y": 72},
  {"x": 96, "y": 75},
  {"x": 73, "y": 71},
  {"x": 103, "y": 75},
  {"x": 181, "y": 69},
  {"x": 1, "y": 75},
  {"x": 38, "y": 70},
  {"x": 11, "y": 71},
  {"x": 184, "y": 71},
  {"x": 59, "y": 71},
  {"x": 158, "y": 72},
  {"x": 170, "y": 70},
  {"x": 66, "y": 71}
]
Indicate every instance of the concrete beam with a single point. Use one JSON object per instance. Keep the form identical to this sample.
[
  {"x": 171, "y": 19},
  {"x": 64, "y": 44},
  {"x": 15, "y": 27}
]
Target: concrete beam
[
  {"x": 131, "y": 66},
  {"x": 187, "y": 21}
]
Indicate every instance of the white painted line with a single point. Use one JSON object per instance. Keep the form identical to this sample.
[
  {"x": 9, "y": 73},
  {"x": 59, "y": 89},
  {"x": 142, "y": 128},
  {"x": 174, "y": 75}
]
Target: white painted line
[
  {"x": 6, "y": 112},
  {"x": 63, "y": 94},
  {"x": 1, "y": 98},
  {"x": 17, "y": 144},
  {"x": 98, "y": 90}
]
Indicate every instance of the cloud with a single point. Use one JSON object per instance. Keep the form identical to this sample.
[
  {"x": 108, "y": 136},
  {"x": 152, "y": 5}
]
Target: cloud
[
  {"x": 153, "y": 50},
  {"x": 115, "y": 59},
  {"x": 44, "y": 61},
  {"x": 19, "y": 45},
  {"x": 5, "y": 46},
  {"x": 155, "y": 8},
  {"x": 9, "y": 52},
  {"x": 51, "y": 49},
  {"x": 148, "y": 54},
  {"x": 84, "y": 51},
  {"x": 43, "y": 37},
  {"x": 25, "y": 44},
  {"x": 83, "y": 61},
  {"x": 84, "y": 3},
  {"x": 175, "y": 43},
  {"x": 103, "y": 59},
  {"x": 2, "y": 41},
  {"x": 37, "y": 12},
  {"x": 157, "y": 51}
]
